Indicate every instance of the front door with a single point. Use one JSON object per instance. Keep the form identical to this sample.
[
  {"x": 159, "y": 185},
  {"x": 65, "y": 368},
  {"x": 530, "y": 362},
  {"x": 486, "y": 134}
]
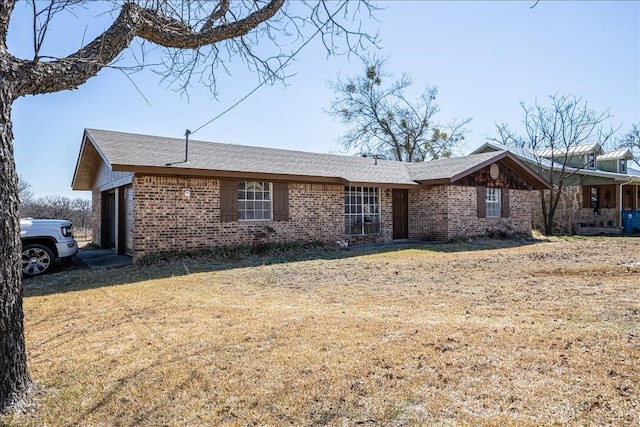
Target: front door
[{"x": 400, "y": 214}]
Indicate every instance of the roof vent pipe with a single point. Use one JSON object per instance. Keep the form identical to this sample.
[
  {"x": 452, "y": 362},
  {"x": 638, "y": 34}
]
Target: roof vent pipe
[{"x": 186, "y": 145}]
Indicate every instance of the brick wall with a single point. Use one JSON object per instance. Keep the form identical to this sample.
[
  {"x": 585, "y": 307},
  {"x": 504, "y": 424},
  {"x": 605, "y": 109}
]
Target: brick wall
[
  {"x": 445, "y": 212},
  {"x": 165, "y": 220},
  {"x": 96, "y": 216},
  {"x": 428, "y": 214}
]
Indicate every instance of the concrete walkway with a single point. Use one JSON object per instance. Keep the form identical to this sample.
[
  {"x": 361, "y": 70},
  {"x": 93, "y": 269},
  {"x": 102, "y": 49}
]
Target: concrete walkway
[{"x": 103, "y": 258}]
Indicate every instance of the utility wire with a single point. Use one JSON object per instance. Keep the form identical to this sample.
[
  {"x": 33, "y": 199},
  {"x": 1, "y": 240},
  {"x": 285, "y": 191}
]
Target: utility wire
[{"x": 272, "y": 73}]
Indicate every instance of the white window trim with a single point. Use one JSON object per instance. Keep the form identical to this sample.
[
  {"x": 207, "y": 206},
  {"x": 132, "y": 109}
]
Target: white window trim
[
  {"x": 493, "y": 207},
  {"x": 270, "y": 200},
  {"x": 376, "y": 217}
]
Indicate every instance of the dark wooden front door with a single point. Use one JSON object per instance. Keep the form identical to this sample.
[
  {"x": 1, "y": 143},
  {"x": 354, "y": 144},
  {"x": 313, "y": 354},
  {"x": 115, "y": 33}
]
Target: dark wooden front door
[{"x": 400, "y": 214}]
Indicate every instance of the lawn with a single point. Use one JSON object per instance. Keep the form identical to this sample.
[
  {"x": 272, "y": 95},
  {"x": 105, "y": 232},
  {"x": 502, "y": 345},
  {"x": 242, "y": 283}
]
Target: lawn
[{"x": 489, "y": 333}]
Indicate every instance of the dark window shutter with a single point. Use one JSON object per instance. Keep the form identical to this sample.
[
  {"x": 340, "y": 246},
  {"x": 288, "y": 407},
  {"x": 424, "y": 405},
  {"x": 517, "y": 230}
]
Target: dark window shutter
[
  {"x": 228, "y": 201},
  {"x": 504, "y": 204},
  {"x": 482, "y": 202},
  {"x": 280, "y": 201}
]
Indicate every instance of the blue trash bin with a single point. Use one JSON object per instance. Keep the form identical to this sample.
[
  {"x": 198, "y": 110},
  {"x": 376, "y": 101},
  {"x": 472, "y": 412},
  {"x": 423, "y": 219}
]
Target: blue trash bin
[{"x": 630, "y": 221}]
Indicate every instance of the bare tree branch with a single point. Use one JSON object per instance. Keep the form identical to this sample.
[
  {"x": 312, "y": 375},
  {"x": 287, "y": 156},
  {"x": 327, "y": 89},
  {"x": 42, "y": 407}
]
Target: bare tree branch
[
  {"x": 551, "y": 136},
  {"x": 382, "y": 121}
]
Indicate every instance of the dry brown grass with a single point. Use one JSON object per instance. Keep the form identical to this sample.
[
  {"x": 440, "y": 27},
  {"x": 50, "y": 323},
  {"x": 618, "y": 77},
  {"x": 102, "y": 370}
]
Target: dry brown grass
[{"x": 481, "y": 333}]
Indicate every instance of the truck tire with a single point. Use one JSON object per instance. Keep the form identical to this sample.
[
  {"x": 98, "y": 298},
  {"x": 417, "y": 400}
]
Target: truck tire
[{"x": 36, "y": 259}]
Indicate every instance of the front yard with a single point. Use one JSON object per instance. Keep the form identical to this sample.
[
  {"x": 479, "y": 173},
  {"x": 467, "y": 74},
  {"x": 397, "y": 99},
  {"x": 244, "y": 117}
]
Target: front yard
[{"x": 479, "y": 333}]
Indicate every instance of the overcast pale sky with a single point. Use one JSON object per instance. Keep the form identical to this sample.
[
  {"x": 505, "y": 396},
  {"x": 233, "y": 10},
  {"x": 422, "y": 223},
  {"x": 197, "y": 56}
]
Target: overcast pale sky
[{"x": 484, "y": 57}]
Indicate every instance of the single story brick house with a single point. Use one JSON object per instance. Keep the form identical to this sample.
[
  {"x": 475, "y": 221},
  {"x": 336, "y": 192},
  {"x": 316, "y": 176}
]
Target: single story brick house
[{"x": 153, "y": 194}]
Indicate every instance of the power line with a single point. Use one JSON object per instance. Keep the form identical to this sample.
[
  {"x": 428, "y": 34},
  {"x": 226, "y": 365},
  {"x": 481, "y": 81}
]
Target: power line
[{"x": 274, "y": 72}]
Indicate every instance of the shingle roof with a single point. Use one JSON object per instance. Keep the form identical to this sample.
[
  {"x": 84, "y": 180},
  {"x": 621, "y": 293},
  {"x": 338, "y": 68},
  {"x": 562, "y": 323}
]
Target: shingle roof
[{"x": 133, "y": 152}]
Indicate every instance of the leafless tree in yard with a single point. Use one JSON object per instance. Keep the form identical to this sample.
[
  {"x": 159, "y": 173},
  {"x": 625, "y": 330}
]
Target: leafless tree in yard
[
  {"x": 631, "y": 140},
  {"x": 554, "y": 132},
  {"x": 382, "y": 121},
  {"x": 199, "y": 39},
  {"x": 25, "y": 192}
]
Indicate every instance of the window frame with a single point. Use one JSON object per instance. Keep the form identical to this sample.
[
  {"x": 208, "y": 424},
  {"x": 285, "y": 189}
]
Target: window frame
[
  {"x": 622, "y": 165},
  {"x": 244, "y": 208},
  {"x": 591, "y": 160},
  {"x": 362, "y": 210},
  {"x": 493, "y": 202}
]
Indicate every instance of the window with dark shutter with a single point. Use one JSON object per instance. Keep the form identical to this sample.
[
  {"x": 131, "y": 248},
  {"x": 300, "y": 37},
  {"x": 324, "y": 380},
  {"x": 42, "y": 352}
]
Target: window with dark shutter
[
  {"x": 482, "y": 202},
  {"x": 228, "y": 201},
  {"x": 506, "y": 213},
  {"x": 280, "y": 201}
]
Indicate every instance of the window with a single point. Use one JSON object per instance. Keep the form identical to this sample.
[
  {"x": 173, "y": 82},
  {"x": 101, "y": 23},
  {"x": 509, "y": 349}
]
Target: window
[
  {"x": 254, "y": 201},
  {"x": 361, "y": 210},
  {"x": 591, "y": 164},
  {"x": 623, "y": 166},
  {"x": 493, "y": 199}
]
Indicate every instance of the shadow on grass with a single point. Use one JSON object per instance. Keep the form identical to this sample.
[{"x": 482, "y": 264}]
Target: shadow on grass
[{"x": 78, "y": 277}]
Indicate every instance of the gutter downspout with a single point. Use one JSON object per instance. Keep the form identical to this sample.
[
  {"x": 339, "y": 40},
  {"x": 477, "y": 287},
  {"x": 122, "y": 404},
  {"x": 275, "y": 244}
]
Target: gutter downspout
[{"x": 620, "y": 210}]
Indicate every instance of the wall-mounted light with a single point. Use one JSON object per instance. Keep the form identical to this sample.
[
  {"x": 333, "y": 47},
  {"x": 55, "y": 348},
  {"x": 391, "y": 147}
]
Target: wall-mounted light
[
  {"x": 387, "y": 192},
  {"x": 186, "y": 193}
]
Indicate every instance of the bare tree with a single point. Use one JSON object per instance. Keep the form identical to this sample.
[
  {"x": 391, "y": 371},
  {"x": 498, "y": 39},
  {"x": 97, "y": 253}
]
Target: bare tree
[
  {"x": 382, "y": 121},
  {"x": 199, "y": 38},
  {"x": 551, "y": 137},
  {"x": 81, "y": 214},
  {"x": 25, "y": 193},
  {"x": 56, "y": 207},
  {"x": 631, "y": 140}
]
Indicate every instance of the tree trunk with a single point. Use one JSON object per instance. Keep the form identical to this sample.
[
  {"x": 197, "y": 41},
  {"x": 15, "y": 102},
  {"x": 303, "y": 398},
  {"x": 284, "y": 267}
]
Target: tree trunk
[{"x": 14, "y": 377}]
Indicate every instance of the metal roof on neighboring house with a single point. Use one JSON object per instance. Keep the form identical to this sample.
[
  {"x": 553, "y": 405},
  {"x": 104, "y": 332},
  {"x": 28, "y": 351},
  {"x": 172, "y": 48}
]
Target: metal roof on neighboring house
[
  {"x": 620, "y": 153},
  {"x": 528, "y": 157},
  {"x": 571, "y": 151},
  {"x": 126, "y": 152}
]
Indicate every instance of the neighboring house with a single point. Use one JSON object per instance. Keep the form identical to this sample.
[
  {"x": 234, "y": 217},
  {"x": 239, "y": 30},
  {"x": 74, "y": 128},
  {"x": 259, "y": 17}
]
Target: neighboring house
[
  {"x": 600, "y": 194},
  {"x": 153, "y": 194}
]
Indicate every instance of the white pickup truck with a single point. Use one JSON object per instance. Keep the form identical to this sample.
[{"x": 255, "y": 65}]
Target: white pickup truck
[{"x": 45, "y": 242}]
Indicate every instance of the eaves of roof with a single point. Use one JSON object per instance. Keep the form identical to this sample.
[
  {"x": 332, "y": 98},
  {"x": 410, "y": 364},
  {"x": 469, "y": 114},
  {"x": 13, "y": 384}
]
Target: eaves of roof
[{"x": 125, "y": 152}]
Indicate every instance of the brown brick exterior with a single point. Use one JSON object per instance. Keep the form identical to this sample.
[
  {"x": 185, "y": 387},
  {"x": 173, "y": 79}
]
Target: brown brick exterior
[
  {"x": 165, "y": 220},
  {"x": 96, "y": 216},
  {"x": 445, "y": 212}
]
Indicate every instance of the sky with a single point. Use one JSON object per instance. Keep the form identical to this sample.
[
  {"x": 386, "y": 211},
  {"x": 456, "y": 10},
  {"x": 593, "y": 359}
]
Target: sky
[{"x": 484, "y": 58}]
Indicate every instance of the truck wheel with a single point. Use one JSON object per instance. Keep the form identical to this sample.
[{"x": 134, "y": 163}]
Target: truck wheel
[{"x": 36, "y": 259}]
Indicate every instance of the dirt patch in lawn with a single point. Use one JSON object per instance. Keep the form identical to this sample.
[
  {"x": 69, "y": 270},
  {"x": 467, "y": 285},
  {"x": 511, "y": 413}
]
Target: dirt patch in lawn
[{"x": 480, "y": 333}]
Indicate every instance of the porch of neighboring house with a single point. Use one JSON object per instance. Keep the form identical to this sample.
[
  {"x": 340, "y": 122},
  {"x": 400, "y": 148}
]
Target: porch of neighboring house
[{"x": 602, "y": 212}]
